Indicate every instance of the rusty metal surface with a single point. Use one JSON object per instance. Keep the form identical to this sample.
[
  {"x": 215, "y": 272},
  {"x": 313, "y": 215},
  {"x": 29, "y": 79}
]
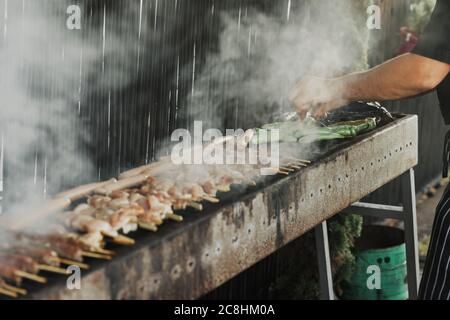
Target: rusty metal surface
[{"x": 188, "y": 260}]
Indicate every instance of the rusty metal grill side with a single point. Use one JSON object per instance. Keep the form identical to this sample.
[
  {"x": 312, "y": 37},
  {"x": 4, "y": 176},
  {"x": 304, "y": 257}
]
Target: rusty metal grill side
[{"x": 215, "y": 249}]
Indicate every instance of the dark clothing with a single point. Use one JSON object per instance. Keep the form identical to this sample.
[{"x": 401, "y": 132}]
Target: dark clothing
[
  {"x": 435, "y": 44},
  {"x": 435, "y": 284}
]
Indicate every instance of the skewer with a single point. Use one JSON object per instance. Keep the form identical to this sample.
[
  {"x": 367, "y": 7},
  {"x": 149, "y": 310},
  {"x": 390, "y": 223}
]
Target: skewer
[
  {"x": 195, "y": 205},
  {"x": 122, "y": 240},
  {"x": 302, "y": 164},
  {"x": 223, "y": 188},
  {"x": 30, "y": 276},
  {"x": 211, "y": 199},
  {"x": 163, "y": 163},
  {"x": 8, "y": 293},
  {"x": 41, "y": 212},
  {"x": 95, "y": 255},
  {"x": 287, "y": 169},
  {"x": 82, "y": 191},
  {"x": 14, "y": 289},
  {"x": 103, "y": 251},
  {"x": 72, "y": 263},
  {"x": 53, "y": 269},
  {"x": 174, "y": 217},
  {"x": 283, "y": 172},
  {"x": 118, "y": 239},
  {"x": 295, "y": 166},
  {"x": 122, "y": 184},
  {"x": 300, "y": 160},
  {"x": 147, "y": 226}
]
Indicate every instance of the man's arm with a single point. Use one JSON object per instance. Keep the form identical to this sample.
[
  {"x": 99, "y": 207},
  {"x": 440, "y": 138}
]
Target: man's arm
[{"x": 402, "y": 77}]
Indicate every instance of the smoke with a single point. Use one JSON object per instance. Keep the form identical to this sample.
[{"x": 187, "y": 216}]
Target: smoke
[
  {"x": 47, "y": 71},
  {"x": 262, "y": 55}
]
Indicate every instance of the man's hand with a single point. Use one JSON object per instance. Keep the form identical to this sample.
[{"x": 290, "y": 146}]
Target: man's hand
[{"x": 316, "y": 95}]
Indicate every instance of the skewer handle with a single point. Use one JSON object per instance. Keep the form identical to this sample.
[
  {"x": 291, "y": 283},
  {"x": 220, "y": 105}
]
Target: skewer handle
[
  {"x": 122, "y": 184},
  {"x": 39, "y": 214},
  {"x": 162, "y": 163},
  {"x": 82, "y": 191},
  {"x": 30, "y": 276},
  {"x": 8, "y": 293}
]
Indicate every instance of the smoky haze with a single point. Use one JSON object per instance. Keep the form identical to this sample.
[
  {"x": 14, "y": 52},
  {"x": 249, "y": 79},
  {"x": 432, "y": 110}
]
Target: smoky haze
[
  {"x": 263, "y": 55},
  {"x": 46, "y": 71}
]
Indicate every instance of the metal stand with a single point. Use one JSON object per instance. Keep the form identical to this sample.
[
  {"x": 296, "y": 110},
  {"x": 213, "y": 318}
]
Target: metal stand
[
  {"x": 407, "y": 213},
  {"x": 323, "y": 257}
]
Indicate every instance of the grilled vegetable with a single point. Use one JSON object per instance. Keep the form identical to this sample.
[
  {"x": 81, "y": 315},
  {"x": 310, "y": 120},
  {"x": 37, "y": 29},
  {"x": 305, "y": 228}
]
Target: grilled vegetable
[{"x": 292, "y": 131}]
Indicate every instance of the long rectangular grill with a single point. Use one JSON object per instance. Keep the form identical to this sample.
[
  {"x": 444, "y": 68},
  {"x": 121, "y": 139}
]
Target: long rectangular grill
[{"x": 190, "y": 259}]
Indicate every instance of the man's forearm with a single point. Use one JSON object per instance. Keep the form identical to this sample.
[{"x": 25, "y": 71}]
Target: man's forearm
[{"x": 402, "y": 77}]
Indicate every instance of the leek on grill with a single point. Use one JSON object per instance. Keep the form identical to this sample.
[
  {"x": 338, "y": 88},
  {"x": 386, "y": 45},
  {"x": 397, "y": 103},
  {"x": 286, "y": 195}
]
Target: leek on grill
[{"x": 293, "y": 131}]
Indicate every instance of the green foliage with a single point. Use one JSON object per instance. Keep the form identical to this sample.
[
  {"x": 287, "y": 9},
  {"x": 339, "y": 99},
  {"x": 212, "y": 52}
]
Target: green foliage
[
  {"x": 300, "y": 280},
  {"x": 343, "y": 230}
]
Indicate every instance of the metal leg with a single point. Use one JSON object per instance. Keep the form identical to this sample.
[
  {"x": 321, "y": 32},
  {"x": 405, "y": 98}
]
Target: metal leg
[
  {"x": 411, "y": 241},
  {"x": 323, "y": 257}
]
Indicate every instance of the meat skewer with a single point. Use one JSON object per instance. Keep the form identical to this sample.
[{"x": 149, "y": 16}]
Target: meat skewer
[
  {"x": 44, "y": 260},
  {"x": 8, "y": 293},
  {"x": 38, "y": 246},
  {"x": 6, "y": 286},
  {"x": 97, "y": 220},
  {"x": 15, "y": 268}
]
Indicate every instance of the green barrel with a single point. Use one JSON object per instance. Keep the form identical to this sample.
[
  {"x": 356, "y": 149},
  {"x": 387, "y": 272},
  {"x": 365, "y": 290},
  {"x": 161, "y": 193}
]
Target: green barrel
[{"x": 382, "y": 247}]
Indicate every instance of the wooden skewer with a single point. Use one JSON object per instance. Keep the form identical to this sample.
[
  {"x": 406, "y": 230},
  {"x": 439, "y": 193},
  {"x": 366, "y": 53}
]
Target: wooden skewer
[
  {"x": 301, "y": 160},
  {"x": 122, "y": 184},
  {"x": 300, "y": 164},
  {"x": 283, "y": 172},
  {"x": 72, "y": 263},
  {"x": 30, "y": 276},
  {"x": 174, "y": 217},
  {"x": 195, "y": 205},
  {"x": 122, "y": 240},
  {"x": 287, "y": 169},
  {"x": 295, "y": 166},
  {"x": 53, "y": 269},
  {"x": 15, "y": 289},
  {"x": 82, "y": 191},
  {"x": 102, "y": 251},
  {"x": 223, "y": 188},
  {"x": 147, "y": 226},
  {"x": 211, "y": 199},
  {"x": 8, "y": 293},
  {"x": 162, "y": 163},
  {"x": 41, "y": 212},
  {"x": 96, "y": 255}
]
